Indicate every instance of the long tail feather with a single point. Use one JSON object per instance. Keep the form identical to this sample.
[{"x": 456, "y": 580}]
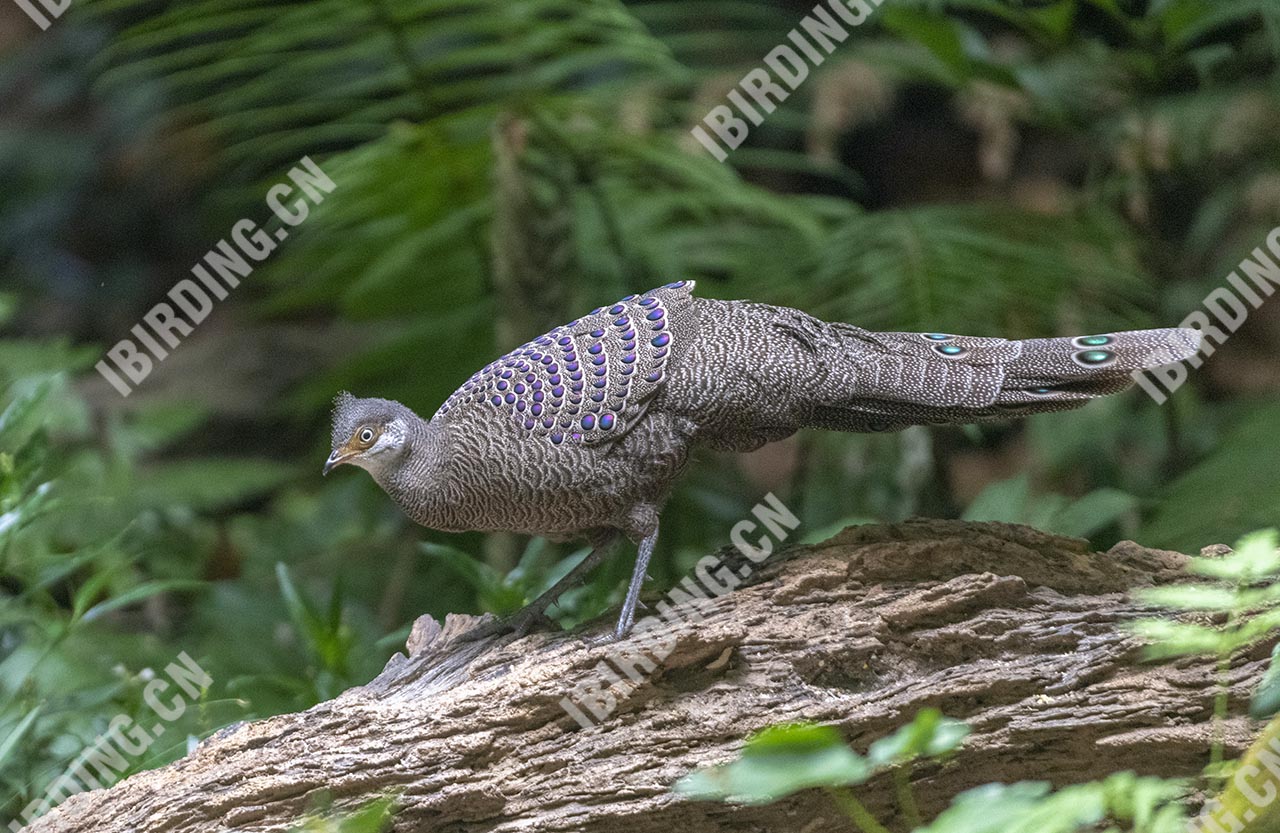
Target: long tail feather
[{"x": 922, "y": 378}]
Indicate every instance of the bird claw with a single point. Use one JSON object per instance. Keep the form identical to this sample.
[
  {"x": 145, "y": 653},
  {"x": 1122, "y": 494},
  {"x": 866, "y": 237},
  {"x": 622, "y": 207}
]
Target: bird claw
[
  {"x": 517, "y": 625},
  {"x": 600, "y": 640}
]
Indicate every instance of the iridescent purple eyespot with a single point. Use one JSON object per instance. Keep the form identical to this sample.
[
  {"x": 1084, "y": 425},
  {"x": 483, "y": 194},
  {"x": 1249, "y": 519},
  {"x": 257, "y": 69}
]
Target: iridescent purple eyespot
[
  {"x": 656, "y": 314},
  {"x": 606, "y": 421},
  {"x": 616, "y": 310},
  {"x": 661, "y": 340},
  {"x": 597, "y": 333},
  {"x": 595, "y": 349},
  {"x": 588, "y": 422}
]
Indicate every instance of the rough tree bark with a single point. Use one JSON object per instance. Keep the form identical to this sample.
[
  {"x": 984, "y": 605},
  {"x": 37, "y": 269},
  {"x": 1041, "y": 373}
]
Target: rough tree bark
[{"x": 1017, "y": 631}]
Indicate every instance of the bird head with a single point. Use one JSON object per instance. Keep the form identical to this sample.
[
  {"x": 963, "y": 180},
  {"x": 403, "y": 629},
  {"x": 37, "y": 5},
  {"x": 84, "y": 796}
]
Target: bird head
[{"x": 373, "y": 434}]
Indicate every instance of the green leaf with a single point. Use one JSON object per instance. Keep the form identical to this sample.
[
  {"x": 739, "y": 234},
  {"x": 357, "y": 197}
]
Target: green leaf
[
  {"x": 1149, "y": 803},
  {"x": 777, "y": 762},
  {"x": 23, "y": 409},
  {"x": 140, "y": 592},
  {"x": 994, "y": 808},
  {"x": 1011, "y": 501},
  {"x": 1093, "y": 513},
  {"x": 1239, "y": 481},
  {"x": 1176, "y": 639},
  {"x": 1266, "y": 700},
  {"x": 14, "y": 738},
  {"x": 1190, "y": 597},
  {"x": 929, "y": 735},
  {"x": 1004, "y": 501}
]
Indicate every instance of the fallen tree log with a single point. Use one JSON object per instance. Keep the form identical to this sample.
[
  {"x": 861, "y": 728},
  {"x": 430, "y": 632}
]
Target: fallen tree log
[{"x": 1016, "y": 631}]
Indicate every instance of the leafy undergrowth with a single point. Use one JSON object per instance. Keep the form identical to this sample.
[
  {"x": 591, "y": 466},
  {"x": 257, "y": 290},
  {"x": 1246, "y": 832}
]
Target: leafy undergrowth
[{"x": 1242, "y": 589}]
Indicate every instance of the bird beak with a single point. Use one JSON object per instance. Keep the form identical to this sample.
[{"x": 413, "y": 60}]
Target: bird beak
[{"x": 336, "y": 459}]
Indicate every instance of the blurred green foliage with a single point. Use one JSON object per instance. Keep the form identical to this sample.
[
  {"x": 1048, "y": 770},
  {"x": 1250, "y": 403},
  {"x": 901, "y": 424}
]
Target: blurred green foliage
[
  {"x": 782, "y": 760},
  {"x": 997, "y": 168}
]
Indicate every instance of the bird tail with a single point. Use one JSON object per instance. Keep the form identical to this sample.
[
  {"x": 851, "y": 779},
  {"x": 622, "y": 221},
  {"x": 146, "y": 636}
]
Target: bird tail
[{"x": 902, "y": 379}]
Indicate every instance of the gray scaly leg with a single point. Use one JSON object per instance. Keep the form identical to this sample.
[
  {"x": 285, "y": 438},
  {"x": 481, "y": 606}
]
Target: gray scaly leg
[{"x": 628, "y": 617}]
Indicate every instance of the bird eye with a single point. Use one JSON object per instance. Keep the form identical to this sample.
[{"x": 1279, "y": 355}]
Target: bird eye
[{"x": 366, "y": 435}]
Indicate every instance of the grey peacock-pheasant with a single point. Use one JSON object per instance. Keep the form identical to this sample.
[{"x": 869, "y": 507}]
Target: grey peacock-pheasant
[{"x": 581, "y": 433}]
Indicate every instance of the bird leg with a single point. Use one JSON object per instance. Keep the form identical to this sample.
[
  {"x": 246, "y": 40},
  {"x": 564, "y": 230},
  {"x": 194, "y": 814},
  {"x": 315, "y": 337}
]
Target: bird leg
[
  {"x": 534, "y": 613},
  {"x": 638, "y": 575}
]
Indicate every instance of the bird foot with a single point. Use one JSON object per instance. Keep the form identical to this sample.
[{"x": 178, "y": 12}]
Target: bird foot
[
  {"x": 518, "y": 624},
  {"x": 609, "y": 637},
  {"x": 600, "y": 639}
]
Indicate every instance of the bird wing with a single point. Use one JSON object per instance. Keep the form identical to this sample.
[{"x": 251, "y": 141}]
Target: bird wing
[{"x": 588, "y": 381}]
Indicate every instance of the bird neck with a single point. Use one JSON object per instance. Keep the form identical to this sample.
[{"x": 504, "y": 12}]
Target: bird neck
[{"x": 417, "y": 484}]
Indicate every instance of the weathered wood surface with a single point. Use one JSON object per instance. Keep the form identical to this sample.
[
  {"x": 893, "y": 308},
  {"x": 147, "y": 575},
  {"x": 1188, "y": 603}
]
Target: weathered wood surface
[{"x": 1014, "y": 630}]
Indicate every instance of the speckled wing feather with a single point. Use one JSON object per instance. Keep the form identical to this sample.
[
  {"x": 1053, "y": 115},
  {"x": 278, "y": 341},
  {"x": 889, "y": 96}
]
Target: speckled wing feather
[{"x": 588, "y": 381}]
